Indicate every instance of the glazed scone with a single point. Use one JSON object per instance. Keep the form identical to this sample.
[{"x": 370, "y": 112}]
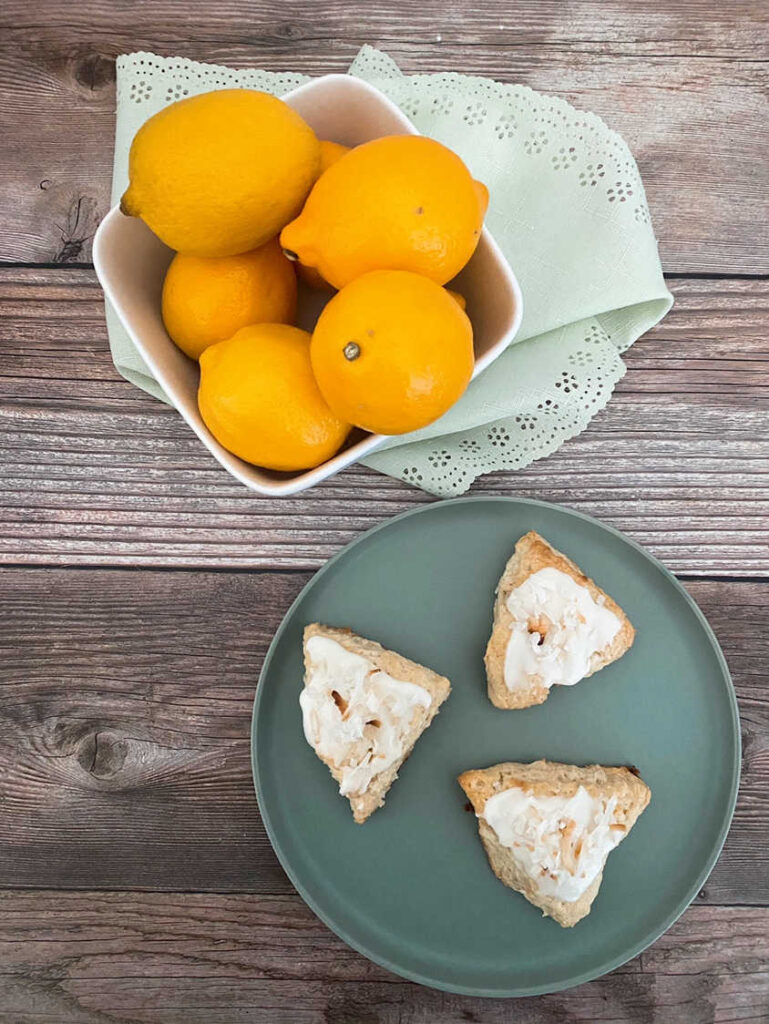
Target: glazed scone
[
  {"x": 363, "y": 709},
  {"x": 552, "y": 626},
  {"x": 548, "y": 828}
]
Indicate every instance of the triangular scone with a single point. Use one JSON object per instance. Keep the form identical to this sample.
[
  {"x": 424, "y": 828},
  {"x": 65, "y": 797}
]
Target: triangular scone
[
  {"x": 363, "y": 709},
  {"x": 548, "y": 828},
  {"x": 552, "y": 626}
]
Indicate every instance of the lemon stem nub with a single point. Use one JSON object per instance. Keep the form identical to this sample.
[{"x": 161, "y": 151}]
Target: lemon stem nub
[
  {"x": 127, "y": 208},
  {"x": 291, "y": 255},
  {"x": 351, "y": 350}
]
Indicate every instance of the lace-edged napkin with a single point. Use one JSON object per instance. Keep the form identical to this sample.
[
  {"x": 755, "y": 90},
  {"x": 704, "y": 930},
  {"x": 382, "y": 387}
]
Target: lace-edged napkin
[{"x": 568, "y": 210}]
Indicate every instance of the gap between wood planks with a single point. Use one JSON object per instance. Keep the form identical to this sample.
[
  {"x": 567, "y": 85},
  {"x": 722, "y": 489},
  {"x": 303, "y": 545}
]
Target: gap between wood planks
[
  {"x": 672, "y": 277},
  {"x": 289, "y": 570}
]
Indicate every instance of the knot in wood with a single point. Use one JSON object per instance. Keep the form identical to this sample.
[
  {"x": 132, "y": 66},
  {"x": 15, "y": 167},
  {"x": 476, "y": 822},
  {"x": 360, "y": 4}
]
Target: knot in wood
[{"x": 102, "y": 754}]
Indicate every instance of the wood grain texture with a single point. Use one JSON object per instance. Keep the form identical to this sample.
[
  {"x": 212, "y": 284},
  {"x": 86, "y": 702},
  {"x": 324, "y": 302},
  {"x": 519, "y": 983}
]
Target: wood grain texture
[
  {"x": 102, "y": 958},
  {"x": 125, "y": 710},
  {"x": 94, "y": 472},
  {"x": 124, "y": 729},
  {"x": 685, "y": 82}
]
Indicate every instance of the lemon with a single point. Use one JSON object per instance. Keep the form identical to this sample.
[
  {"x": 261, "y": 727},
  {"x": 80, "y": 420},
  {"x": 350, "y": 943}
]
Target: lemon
[
  {"x": 208, "y": 298},
  {"x": 392, "y": 351},
  {"x": 330, "y": 152},
  {"x": 221, "y": 173},
  {"x": 402, "y": 202},
  {"x": 259, "y": 399}
]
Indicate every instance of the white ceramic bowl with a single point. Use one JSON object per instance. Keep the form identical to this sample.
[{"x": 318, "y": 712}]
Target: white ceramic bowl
[{"x": 131, "y": 262}]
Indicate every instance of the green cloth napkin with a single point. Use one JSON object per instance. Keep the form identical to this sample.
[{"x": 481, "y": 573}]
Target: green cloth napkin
[{"x": 568, "y": 210}]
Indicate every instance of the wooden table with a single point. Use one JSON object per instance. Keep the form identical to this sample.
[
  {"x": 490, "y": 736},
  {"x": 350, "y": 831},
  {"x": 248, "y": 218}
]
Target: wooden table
[{"x": 141, "y": 585}]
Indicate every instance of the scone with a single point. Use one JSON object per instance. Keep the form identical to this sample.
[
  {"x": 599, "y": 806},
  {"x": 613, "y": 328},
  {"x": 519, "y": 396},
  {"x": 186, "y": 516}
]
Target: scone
[
  {"x": 548, "y": 828},
  {"x": 363, "y": 709},
  {"x": 552, "y": 626}
]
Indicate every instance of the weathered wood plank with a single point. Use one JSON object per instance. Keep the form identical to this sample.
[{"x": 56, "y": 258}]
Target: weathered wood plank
[
  {"x": 685, "y": 83},
  {"x": 90, "y": 958},
  {"x": 95, "y": 472},
  {"x": 124, "y": 726},
  {"x": 694, "y": 28}
]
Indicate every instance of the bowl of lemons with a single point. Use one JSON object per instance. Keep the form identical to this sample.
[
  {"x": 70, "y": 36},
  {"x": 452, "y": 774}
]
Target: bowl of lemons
[{"x": 304, "y": 276}]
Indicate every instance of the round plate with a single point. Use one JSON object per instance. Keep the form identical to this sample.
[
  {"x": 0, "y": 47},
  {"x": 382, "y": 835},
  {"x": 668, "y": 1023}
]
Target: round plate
[{"x": 412, "y": 889}]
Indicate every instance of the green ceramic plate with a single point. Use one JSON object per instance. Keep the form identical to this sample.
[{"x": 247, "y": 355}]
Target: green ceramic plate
[{"x": 411, "y": 889}]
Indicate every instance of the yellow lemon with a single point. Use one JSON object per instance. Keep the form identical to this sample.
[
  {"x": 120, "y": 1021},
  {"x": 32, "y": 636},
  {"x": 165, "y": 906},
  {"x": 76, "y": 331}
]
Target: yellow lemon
[
  {"x": 402, "y": 202},
  {"x": 392, "y": 351},
  {"x": 259, "y": 399},
  {"x": 459, "y": 299},
  {"x": 330, "y": 152},
  {"x": 208, "y": 298},
  {"x": 221, "y": 173}
]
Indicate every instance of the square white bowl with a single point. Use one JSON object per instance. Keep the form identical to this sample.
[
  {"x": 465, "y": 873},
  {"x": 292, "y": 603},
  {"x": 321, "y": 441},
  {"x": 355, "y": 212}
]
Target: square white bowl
[{"x": 131, "y": 262}]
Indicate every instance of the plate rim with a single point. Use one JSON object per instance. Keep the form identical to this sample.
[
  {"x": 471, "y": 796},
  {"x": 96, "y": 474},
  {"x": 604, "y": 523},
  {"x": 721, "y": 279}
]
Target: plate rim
[{"x": 580, "y": 978}]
